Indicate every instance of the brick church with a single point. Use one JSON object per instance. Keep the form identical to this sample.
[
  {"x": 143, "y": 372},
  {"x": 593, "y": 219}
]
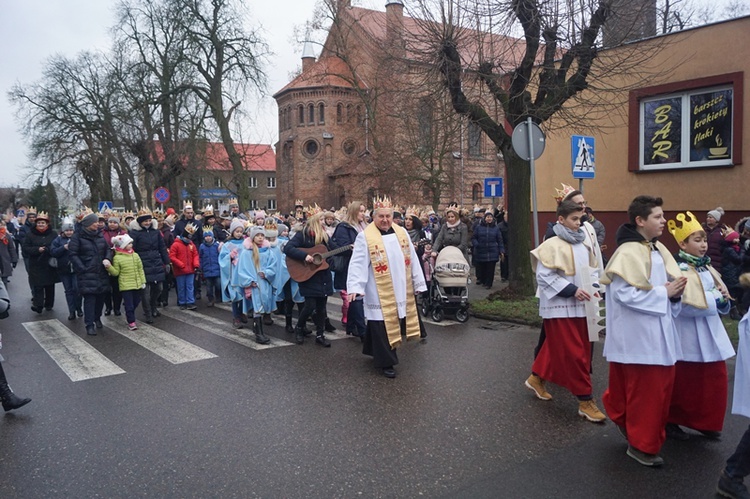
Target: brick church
[{"x": 365, "y": 118}]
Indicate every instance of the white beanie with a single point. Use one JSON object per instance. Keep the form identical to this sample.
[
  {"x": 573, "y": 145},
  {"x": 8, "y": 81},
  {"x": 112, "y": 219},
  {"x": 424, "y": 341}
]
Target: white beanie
[
  {"x": 237, "y": 223},
  {"x": 121, "y": 241},
  {"x": 257, "y": 229},
  {"x": 717, "y": 213}
]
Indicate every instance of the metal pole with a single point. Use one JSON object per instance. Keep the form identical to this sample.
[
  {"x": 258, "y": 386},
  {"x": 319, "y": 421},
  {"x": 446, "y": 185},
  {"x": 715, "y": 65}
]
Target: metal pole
[
  {"x": 461, "y": 152},
  {"x": 580, "y": 185},
  {"x": 533, "y": 182}
]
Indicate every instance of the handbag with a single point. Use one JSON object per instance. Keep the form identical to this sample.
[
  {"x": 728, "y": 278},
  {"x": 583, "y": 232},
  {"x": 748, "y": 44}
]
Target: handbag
[{"x": 52, "y": 262}]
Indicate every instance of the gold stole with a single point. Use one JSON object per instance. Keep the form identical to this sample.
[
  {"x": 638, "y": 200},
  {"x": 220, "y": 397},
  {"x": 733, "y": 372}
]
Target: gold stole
[{"x": 384, "y": 284}]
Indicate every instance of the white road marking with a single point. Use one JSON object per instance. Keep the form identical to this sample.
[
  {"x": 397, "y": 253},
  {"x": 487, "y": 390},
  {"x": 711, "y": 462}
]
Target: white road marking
[
  {"x": 167, "y": 346},
  {"x": 335, "y": 300},
  {"x": 79, "y": 360}
]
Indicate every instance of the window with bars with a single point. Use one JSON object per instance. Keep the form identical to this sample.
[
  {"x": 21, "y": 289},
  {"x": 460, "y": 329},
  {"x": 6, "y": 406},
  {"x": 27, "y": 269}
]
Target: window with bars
[
  {"x": 271, "y": 182},
  {"x": 252, "y": 182}
]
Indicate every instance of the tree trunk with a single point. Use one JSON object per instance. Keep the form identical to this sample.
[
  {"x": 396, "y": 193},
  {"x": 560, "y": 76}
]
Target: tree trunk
[{"x": 521, "y": 276}]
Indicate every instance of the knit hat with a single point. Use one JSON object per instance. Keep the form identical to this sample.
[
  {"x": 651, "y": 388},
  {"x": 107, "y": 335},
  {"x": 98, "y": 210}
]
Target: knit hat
[
  {"x": 716, "y": 214},
  {"x": 281, "y": 228},
  {"x": 89, "y": 220},
  {"x": 255, "y": 230},
  {"x": 143, "y": 218},
  {"x": 731, "y": 236},
  {"x": 67, "y": 224},
  {"x": 122, "y": 241},
  {"x": 113, "y": 219},
  {"x": 237, "y": 223}
]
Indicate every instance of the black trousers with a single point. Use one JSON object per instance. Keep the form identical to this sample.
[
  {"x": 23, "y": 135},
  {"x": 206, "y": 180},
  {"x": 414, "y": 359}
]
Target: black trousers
[
  {"x": 150, "y": 296},
  {"x": 486, "y": 272},
  {"x": 92, "y": 308},
  {"x": 315, "y": 306},
  {"x": 44, "y": 296}
]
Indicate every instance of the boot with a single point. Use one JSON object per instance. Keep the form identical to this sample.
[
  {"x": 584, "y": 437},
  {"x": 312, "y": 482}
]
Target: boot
[
  {"x": 289, "y": 327},
  {"x": 299, "y": 334},
  {"x": 260, "y": 336},
  {"x": 344, "y": 307},
  {"x": 305, "y": 330},
  {"x": 267, "y": 320},
  {"x": 734, "y": 314},
  {"x": 320, "y": 337},
  {"x": 10, "y": 400}
]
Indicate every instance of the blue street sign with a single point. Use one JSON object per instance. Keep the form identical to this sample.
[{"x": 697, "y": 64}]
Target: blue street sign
[
  {"x": 582, "y": 153},
  {"x": 161, "y": 195},
  {"x": 493, "y": 187},
  {"x": 211, "y": 193},
  {"x": 104, "y": 206}
]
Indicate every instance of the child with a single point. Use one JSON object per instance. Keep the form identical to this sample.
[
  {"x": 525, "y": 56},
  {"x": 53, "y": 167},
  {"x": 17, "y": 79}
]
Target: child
[
  {"x": 699, "y": 396},
  {"x": 228, "y": 260},
  {"x": 428, "y": 263},
  {"x": 127, "y": 267},
  {"x": 644, "y": 288},
  {"x": 184, "y": 258},
  {"x": 208, "y": 254},
  {"x": 565, "y": 356},
  {"x": 257, "y": 270},
  {"x": 731, "y": 268}
]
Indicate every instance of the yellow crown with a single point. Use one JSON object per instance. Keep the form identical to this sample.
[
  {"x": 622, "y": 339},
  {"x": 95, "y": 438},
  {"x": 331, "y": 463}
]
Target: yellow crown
[
  {"x": 688, "y": 225},
  {"x": 42, "y": 215},
  {"x": 382, "y": 202},
  {"x": 158, "y": 214},
  {"x": 85, "y": 211},
  {"x": 561, "y": 194},
  {"x": 30, "y": 210},
  {"x": 271, "y": 224},
  {"x": 455, "y": 208},
  {"x": 128, "y": 214},
  {"x": 207, "y": 228},
  {"x": 233, "y": 201},
  {"x": 145, "y": 211},
  {"x": 298, "y": 202},
  {"x": 208, "y": 210},
  {"x": 191, "y": 228},
  {"x": 186, "y": 205},
  {"x": 313, "y": 210}
]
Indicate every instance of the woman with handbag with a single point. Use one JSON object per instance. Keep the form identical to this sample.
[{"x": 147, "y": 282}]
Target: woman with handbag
[
  {"x": 353, "y": 314},
  {"x": 65, "y": 269},
  {"x": 36, "y": 248}
]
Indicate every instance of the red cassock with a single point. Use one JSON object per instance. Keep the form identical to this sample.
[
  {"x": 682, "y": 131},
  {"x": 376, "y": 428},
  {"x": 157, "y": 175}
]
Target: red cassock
[
  {"x": 699, "y": 397},
  {"x": 565, "y": 356}
]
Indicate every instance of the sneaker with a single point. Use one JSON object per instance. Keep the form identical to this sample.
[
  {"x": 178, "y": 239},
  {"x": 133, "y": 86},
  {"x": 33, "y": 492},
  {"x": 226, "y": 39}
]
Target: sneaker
[
  {"x": 623, "y": 431},
  {"x": 536, "y": 385},
  {"x": 644, "y": 458},
  {"x": 192, "y": 306},
  {"x": 90, "y": 331},
  {"x": 98, "y": 324},
  {"x": 322, "y": 341},
  {"x": 389, "y": 372},
  {"x": 132, "y": 326},
  {"x": 183, "y": 307},
  {"x": 675, "y": 432},
  {"x": 731, "y": 487},
  {"x": 713, "y": 435},
  {"x": 589, "y": 410},
  {"x": 237, "y": 324}
]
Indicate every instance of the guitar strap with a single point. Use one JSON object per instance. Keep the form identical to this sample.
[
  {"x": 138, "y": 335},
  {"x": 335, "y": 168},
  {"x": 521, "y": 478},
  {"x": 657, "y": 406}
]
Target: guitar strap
[{"x": 385, "y": 287}]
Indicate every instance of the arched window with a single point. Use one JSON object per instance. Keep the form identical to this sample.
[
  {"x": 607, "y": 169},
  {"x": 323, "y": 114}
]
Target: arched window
[
  {"x": 321, "y": 113},
  {"x": 301, "y": 112},
  {"x": 349, "y": 114},
  {"x": 289, "y": 117},
  {"x": 476, "y": 192},
  {"x": 474, "y": 134},
  {"x": 311, "y": 114},
  {"x": 359, "y": 115},
  {"x": 339, "y": 114}
]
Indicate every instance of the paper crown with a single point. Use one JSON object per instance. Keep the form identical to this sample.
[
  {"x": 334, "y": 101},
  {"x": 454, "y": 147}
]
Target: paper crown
[
  {"x": 85, "y": 211},
  {"x": 313, "y": 210},
  {"x": 455, "y": 208},
  {"x": 299, "y": 202},
  {"x": 42, "y": 215},
  {"x": 208, "y": 228},
  {"x": 233, "y": 202},
  {"x": 158, "y": 214},
  {"x": 208, "y": 211},
  {"x": 382, "y": 202},
  {"x": 562, "y": 194},
  {"x": 128, "y": 214},
  {"x": 186, "y": 205},
  {"x": 271, "y": 224},
  {"x": 688, "y": 225},
  {"x": 31, "y": 210},
  {"x": 190, "y": 228}
]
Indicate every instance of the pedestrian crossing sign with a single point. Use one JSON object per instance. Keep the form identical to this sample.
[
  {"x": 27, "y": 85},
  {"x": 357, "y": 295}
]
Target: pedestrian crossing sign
[
  {"x": 105, "y": 206},
  {"x": 582, "y": 149}
]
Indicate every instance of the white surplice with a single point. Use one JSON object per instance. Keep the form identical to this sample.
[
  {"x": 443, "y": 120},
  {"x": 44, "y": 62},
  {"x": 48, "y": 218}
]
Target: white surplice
[
  {"x": 741, "y": 403},
  {"x": 551, "y": 281}
]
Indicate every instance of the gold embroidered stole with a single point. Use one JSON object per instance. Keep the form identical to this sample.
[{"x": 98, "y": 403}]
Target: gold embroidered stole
[{"x": 384, "y": 284}]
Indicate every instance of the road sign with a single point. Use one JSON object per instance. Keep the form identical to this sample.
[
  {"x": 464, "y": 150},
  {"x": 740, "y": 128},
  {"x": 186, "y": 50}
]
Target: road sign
[
  {"x": 105, "y": 206},
  {"x": 21, "y": 213},
  {"x": 582, "y": 153},
  {"x": 521, "y": 143},
  {"x": 493, "y": 187},
  {"x": 161, "y": 195}
]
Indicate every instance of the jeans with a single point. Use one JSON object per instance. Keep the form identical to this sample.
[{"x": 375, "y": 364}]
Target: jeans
[
  {"x": 70, "y": 284},
  {"x": 92, "y": 308},
  {"x": 738, "y": 465},
  {"x": 185, "y": 289},
  {"x": 131, "y": 299},
  {"x": 213, "y": 288},
  {"x": 150, "y": 296}
]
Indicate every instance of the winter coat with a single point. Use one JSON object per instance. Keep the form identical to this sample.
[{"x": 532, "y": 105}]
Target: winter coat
[
  {"x": 168, "y": 235},
  {"x": 8, "y": 257},
  {"x": 184, "y": 257},
  {"x": 64, "y": 265},
  {"x": 209, "y": 258},
  {"x": 487, "y": 242},
  {"x": 344, "y": 235},
  {"x": 320, "y": 284},
  {"x": 87, "y": 251},
  {"x": 715, "y": 245},
  {"x": 109, "y": 234},
  {"x": 453, "y": 236},
  {"x": 731, "y": 265},
  {"x": 25, "y": 229},
  {"x": 128, "y": 268},
  {"x": 40, "y": 273},
  {"x": 150, "y": 246}
]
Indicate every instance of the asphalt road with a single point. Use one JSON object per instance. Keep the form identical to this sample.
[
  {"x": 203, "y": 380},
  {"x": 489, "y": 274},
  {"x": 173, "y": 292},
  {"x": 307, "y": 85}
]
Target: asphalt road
[{"x": 194, "y": 413}]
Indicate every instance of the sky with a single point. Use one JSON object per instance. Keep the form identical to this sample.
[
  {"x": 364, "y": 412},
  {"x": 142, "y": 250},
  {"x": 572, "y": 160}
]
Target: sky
[{"x": 31, "y": 31}]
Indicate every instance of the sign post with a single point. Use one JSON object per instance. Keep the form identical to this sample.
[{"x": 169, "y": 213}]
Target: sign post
[
  {"x": 528, "y": 142},
  {"x": 582, "y": 158}
]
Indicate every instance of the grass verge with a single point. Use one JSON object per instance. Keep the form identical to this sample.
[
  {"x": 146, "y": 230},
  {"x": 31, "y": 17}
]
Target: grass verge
[{"x": 503, "y": 305}]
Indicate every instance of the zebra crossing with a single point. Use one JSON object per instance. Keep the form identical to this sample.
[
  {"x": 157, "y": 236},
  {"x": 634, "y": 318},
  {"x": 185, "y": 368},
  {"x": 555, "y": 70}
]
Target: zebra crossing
[{"x": 81, "y": 361}]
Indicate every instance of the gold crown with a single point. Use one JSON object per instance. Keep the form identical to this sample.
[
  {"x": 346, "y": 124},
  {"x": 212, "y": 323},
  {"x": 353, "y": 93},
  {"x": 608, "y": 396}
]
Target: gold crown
[
  {"x": 233, "y": 201},
  {"x": 207, "y": 228},
  {"x": 208, "y": 210},
  {"x": 561, "y": 194},
  {"x": 85, "y": 211},
  {"x": 382, "y": 202},
  {"x": 271, "y": 224},
  {"x": 190, "y": 228},
  {"x": 455, "y": 208},
  {"x": 145, "y": 211},
  {"x": 128, "y": 214},
  {"x": 30, "y": 210},
  {"x": 186, "y": 205},
  {"x": 42, "y": 215},
  {"x": 313, "y": 210},
  {"x": 412, "y": 211},
  {"x": 688, "y": 225},
  {"x": 158, "y": 214},
  {"x": 298, "y": 202}
]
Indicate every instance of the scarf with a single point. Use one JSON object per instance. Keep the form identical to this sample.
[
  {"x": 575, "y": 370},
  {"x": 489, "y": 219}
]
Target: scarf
[
  {"x": 2, "y": 235},
  {"x": 698, "y": 262},
  {"x": 384, "y": 284},
  {"x": 564, "y": 233},
  {"x": 452, "y": 226}
]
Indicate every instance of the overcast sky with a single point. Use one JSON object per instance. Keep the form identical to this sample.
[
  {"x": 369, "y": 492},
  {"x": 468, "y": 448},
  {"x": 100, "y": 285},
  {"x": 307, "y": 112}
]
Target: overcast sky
[{"x": 33, "y": 30}]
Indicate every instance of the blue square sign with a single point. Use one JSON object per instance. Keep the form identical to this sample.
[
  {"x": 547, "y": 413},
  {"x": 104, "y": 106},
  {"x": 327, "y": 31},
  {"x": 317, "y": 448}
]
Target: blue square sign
[
  {"x": 493, "y": 187},
  {"x": 582, "y": 152}
]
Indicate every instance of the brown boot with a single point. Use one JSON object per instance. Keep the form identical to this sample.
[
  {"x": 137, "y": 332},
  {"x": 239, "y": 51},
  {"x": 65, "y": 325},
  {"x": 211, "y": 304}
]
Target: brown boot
[{"x": 536, "y": 385}]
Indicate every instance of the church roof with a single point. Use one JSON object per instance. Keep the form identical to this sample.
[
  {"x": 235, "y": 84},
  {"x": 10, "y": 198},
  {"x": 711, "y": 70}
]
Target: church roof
[
  {"x": 255, "y": 157},
  {"x": 328, "y": 71}
]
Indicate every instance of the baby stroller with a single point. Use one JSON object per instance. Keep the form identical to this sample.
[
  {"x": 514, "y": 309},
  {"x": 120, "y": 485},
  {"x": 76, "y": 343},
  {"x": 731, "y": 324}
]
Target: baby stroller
[{"x": 448, "y": 293}]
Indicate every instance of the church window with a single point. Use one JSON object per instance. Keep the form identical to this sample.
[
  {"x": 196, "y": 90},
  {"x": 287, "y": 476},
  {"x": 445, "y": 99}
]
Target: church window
[
  {"x": 359, "y": 115},
  {"x": 349, "y": 147},
  {"x": 349, "y": 114},
  {"x": 311, "y": 148},
  {"x": 424, "y": 123},
  {"x": 311, "y": 114},
  {"x": 476, "y": 192},
  {"x": 321, "y": 113},
  {"x": 301, "y": 112},
  {"x": 339, "y": 114},
  {"x": 474, "y": 137}
]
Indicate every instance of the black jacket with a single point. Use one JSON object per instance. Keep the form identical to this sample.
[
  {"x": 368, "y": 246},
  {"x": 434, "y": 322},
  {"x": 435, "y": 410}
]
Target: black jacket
[
  {"x": 320, "y": 284},
  {"x": 40, "y": 273},
  {"x": 87, "y": 252},
  {"x": 150, "y": 246},
  {"x": 344, "y": 235}
]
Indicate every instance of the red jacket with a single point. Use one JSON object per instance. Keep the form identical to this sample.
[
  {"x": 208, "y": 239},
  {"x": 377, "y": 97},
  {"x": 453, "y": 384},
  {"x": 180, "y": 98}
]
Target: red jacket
[{"x": 184, "y": 257}]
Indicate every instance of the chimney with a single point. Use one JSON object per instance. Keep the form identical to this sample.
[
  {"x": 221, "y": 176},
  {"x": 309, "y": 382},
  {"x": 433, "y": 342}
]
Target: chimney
[
  {"x": 308, "y": 56},
  {"x": 394, "y": 23}
]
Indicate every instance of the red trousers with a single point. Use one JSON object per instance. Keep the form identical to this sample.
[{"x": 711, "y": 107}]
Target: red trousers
[
  {"x": 565, "y": 356},
  {"x": 638, "y": 398},
  {"x": 699, "y": 397}
]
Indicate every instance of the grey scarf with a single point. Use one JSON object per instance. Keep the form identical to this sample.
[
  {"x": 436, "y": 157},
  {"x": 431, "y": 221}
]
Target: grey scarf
[{"x": 573, "y": 237}]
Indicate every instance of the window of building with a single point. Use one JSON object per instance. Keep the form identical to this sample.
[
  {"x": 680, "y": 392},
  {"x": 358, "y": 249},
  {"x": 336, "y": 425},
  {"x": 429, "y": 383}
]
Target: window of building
[
  {"x": 253, "y": 204},
  {"x": 311, "y": 148},
  {"x": 359, "y": 116},
  {"x": 311, "y": 114},
  {"x": 218, "y": 182},
  {"x": 271, "y": 182},
  {"x": 476, "y": 193},
  {"x": 301, "y": 113},
  {"x": 686, "y": 125},
  {"x": 349, "y": 113},
  {"x": 321, "y": 113},
  {"x": 271, "y": 204},
  {"x": 184, "y": 182},
  {"x": 339, "y": 114},
  {"x": 349, "y": 147},
  {"x": 200, "y": 181},
  {"x": 252, "y": 181},
  {"x": 474, "y": 136},
  {"x": 424, "y": 123}
]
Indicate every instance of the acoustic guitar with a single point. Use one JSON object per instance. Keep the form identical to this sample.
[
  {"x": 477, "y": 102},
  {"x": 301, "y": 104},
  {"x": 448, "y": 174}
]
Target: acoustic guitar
[{"x": 302, "y": 271}]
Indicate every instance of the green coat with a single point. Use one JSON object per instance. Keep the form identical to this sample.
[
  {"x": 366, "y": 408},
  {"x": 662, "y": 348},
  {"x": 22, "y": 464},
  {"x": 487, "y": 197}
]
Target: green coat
[{"x": 128, "y": 269}]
